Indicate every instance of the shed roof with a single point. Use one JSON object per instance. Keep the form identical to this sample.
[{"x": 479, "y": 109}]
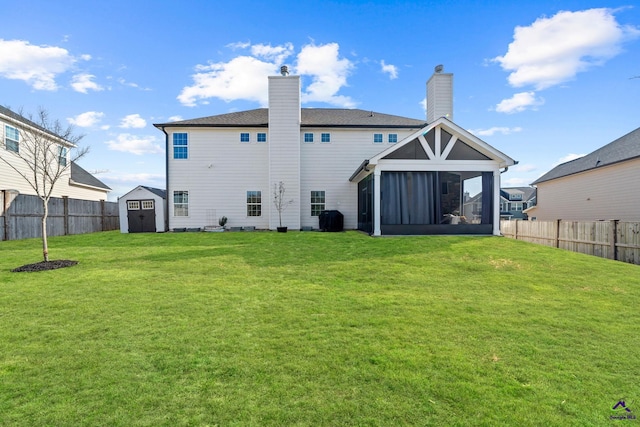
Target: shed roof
[
  {"x": 310, "y": 117},
  {"x": 624, "y": 148}
]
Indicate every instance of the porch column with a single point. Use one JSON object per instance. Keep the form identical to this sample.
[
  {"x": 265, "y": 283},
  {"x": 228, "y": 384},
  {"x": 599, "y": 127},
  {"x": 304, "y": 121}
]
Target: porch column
[
  {"x": 376, "y": 203},
  {"x": 496, "y": 202}
]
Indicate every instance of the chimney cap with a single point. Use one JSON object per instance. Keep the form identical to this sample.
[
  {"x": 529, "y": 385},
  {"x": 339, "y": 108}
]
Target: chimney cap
[
  {"x": 284, "y": 70},
  {"x": 439, "y": 68}
]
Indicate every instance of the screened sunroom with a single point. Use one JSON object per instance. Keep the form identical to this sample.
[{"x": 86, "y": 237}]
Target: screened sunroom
[{"x": 441, "y": 180}]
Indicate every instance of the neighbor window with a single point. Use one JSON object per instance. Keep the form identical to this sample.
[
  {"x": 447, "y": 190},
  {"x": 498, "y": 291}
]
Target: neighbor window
[
  {"x": 12, "y": 138},
  {"x": 393, "y": 138},
  {"x": 262, "y": 137},
  {"x": 377, "y": 138},
  {"x": 62, "y": 155},
  {"x": 180, "y": 146},
  {"x": 244, "y": 137},
  {"x": 180, "y": 203},
  {"x": 317, "y": 202},
  {"x": 308, "y": 137},
  {"x": 254, "y": 203},
  {"x": 325, "y": 137}
]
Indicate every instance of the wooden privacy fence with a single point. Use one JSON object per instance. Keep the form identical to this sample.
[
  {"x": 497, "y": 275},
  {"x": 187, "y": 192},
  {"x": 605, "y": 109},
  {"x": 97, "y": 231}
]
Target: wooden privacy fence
[
  {"x": 21, "y": 216},
  {"x": 607, "y": 239}
]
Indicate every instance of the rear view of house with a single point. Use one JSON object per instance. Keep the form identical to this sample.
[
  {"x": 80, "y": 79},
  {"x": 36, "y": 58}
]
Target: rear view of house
[{"x": 385, "y": 174}]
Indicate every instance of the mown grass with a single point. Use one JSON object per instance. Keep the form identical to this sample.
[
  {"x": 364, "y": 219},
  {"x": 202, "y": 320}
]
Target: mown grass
[{"x": 314, "y": 329}]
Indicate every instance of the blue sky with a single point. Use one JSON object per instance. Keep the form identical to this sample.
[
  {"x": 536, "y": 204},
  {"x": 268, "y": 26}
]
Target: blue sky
[{"x": 542, "y": 81}]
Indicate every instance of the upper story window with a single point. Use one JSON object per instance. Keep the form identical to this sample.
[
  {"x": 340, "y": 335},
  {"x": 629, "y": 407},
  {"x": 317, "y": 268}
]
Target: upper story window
[
  {"x": 180, "y": 145},
  {"x": 393, "y": 138},
  {"x": 308, "y": 137},
  {"x": 377, "y": 138},
  {"x": 62, "y": 155},
  {"x": 12, "y": 138},
  {"x": 262, "y": 137},
  {"x": 244, "y": 137},
  {"x": 325, "y": 137}
]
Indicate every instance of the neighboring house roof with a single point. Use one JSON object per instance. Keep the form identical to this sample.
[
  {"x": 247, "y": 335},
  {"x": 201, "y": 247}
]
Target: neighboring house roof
[
  {"x": 310, "y": 117},
  {"x": 17, "y": 117},
  {"x": 158, "y": 192},
  {"x": 527, "y": 192},
  {"x": 624, "y": 148},
  {"x": 80, "y": 176}
]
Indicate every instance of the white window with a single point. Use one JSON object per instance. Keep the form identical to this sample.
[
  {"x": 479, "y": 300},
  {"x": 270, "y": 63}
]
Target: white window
[
  {"x": 11, "y": 138},
  {"x": 147, "y": 204},
  {"x": 377, "y": 138},
  {"x": 180, "y": 203},
  {"x": 62, "y": 155},
  {"x": 308, "y": 137},
  {"x": 244, "y": 137},
  {"x": 325, "y": 137},
  {"x": 133, "y": 205},
  {"x": 262, "y": 137},
  {"x": 317, "y": 202},
  {"x": 393, "y": 138},
  {"x": 254, "y": 203}
]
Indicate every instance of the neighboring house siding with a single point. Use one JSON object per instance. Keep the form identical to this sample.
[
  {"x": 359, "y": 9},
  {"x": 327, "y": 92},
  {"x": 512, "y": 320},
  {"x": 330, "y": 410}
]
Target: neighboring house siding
[
  {"x": 608, "y": 192},
  {"x": 328, "y": 166},
  {"x": 218, "y": 173}
]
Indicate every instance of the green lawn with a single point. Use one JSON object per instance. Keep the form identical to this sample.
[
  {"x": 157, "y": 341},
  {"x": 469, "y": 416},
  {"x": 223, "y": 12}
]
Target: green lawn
[{"x": 315, "y": 329}]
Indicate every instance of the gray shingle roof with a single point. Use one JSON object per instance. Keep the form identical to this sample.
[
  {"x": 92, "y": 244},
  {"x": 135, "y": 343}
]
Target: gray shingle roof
[
  {"x": 311, "y": 117},
  {"x": 624, "y": 148},
  {"x": 81, "y": 176},
  {"x": 156, "y": 191},
  {"x": 15, "y": 116}
]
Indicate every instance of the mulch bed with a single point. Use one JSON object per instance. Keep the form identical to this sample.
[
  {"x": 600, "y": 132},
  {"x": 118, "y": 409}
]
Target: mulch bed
[{"x": 45, "y": 265}]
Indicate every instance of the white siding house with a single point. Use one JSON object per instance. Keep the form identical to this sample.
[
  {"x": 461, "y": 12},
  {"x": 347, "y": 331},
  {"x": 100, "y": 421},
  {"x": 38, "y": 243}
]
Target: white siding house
[
  {"x": 602, "y": 185},
  {"x": 75, "y": 182},
  {"x": 328, "y": 159}
]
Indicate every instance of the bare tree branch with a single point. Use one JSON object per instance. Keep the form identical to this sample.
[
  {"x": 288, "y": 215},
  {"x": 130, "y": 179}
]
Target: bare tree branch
[{"x": 42, "y": 155}]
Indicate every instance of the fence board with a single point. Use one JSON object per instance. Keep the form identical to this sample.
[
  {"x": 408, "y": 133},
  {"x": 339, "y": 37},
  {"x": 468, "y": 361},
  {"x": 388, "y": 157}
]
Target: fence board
[
  {"x": 21, "y": 218},
  {"x": 605, "y": 239}
]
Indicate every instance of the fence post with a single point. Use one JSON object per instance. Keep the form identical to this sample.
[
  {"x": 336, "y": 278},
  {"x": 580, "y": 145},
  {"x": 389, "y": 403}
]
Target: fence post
[
  {"x": 5, "y": 215},
  {"x": 558, "y": 233},
  {"x": 65, "y": 203},
  {"x": 613, "y": 237},
  {"x": 516, "y": 232},
  {"x": 102, "y": 215}
]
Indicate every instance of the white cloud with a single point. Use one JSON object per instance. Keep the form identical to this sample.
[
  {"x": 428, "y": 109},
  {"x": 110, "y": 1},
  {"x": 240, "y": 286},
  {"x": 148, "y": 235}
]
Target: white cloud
[
  {"x": 175, "y": 118},
  {"x": 516, "y": 182},
  {"x": 84, "y": 82},
  {"x": 37, "y": 66},
  {"x": 553, "y": 50},
  {"x": 524, "y": 168},
  {"x": 86, "y": 120},
  {"x": 133, "y": 121},
  {"x": 328, "y": 71},
  {"x": 135, "y": 144},
  {"x": 276, "y": 54},
  {"x": 519, "y": 102},
  {"x": 392, "y": 70},
  {"x": 492, "y": 131},
  {"x": 568, "y": 158},
  {"x": 245, "y": 77},
  {"x": 136, "y": 178}
]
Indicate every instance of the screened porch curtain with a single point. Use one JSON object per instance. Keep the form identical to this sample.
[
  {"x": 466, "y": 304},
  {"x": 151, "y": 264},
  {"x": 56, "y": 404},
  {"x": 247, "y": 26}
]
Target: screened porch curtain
[
  {"x": 407, "y": 198},
  {"x": 487, "y": 198}
]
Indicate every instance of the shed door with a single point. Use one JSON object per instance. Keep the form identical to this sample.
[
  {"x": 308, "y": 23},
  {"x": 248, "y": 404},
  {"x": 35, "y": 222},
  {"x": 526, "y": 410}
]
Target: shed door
[{"x": 141, "y": 215}]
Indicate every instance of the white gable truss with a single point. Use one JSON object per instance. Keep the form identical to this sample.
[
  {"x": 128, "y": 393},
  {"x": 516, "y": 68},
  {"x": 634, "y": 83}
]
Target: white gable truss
[{"x": 440, "y": 146}]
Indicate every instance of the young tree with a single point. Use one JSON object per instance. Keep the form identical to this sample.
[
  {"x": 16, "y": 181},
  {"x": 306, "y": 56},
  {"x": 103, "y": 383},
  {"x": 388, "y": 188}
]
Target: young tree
[
  {"x": 279, "y": 200},
  {"x": 41, "y": 153}
]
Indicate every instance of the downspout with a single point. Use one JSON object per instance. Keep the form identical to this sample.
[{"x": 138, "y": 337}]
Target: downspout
[{"x": 166, "y": 168}]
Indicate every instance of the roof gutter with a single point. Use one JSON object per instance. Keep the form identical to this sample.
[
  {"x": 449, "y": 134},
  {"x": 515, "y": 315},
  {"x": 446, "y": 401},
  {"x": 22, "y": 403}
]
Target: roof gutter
[{"x": 362, "y": 167}]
